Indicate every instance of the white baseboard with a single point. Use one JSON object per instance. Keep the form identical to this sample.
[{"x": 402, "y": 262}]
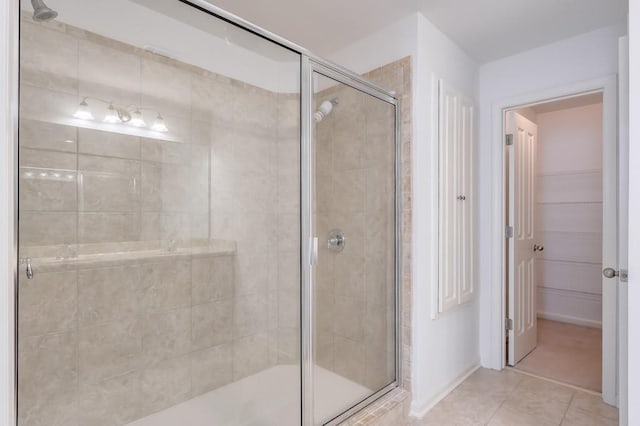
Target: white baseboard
[
  {"x": 570, "y": 320},
  {"x": 420, "y": 409}
]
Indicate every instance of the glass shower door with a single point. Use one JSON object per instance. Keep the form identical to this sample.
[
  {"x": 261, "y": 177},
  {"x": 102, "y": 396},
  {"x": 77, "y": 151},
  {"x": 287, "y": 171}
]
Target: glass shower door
[{"x": 353, "y": 218}]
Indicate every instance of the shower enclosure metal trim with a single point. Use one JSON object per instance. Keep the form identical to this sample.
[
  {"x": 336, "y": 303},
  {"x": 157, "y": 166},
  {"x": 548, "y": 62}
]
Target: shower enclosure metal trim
[
  {"x": 310, "y": 63},
  {"x": 309, "y": 241}
]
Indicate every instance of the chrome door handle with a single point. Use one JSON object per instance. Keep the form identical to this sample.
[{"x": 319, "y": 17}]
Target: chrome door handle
[
  {"x": 28, "y": 267},
  {"x": 538, "y": 247},
  {"x": 612, "y": 273}
]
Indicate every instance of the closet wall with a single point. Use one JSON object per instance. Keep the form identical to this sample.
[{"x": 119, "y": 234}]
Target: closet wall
[{"x": 569, "y": 214}]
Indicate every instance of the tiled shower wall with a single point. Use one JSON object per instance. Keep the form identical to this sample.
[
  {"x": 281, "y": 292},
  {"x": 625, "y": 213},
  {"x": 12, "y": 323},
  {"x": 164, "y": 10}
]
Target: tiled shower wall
[
  {"x": 355, "y": 193},
  {"x": 228, "y": 170}
]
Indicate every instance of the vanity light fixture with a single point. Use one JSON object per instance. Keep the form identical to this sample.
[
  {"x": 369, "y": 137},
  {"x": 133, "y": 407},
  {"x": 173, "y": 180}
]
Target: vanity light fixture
[
  {"x": 112, "y": 115},
  {"x": 137, "y": 119},
  {"x": 117, "y": 114},
  {"x": 159, "y": 125},
  {"x": 83, "y": 112}
]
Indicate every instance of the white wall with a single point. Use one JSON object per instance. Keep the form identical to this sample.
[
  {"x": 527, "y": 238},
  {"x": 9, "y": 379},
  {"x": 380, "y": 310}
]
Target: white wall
[
  {"x": 569, "y": 215},
  {"x": 588, "y": 56},
  {"x": 444, "y": 348},
  {"x": 634, "y": 213}
]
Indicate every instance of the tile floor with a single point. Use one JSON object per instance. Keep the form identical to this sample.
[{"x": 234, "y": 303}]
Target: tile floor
[
  {"x": 511, "y": 398},
  {"x": 567, "y": 353}
]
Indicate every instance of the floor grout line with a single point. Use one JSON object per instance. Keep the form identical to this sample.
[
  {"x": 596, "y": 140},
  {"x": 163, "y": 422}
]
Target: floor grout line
[
  {"x": 557, "y": 382},
  {"x": 573, "y": 395}
]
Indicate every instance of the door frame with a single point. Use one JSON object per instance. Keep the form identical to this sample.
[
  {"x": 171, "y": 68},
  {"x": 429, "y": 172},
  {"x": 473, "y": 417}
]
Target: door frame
[{"x": 498, "y": 309}]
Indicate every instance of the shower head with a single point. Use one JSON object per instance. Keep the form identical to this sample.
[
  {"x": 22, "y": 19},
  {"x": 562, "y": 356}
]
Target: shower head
[
  {"x": 41, "y": 12},
  {"x": 325, "y": 109}
]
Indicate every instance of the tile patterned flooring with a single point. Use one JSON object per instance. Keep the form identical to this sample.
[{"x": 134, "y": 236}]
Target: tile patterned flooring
[
  {"x": 567, "y": 353},
  {"x": 511, "y": 398}
]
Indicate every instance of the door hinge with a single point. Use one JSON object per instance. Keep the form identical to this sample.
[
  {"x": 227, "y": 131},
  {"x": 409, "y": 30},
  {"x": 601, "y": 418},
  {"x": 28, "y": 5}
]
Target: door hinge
[
  {"x": 508, "y": 232},
  {"x": 509, "y": 139},
  {"x": 508, "y": 324}
]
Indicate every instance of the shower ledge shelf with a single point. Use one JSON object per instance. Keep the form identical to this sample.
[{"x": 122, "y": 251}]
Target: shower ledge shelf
[{"x": 44, "y": 259}]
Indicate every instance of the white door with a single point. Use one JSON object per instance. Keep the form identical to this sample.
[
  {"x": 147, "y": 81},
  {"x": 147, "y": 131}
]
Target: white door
[{"x": 522, "y": 245}]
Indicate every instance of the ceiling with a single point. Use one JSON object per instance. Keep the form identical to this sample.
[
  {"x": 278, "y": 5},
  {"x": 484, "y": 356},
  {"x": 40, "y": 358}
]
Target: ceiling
[
  {"x": 486, "y": 29},
  {"x": 322, "y": 26},
  {"x": 567, "y": 103},
  {"x": 492, "y": 29}
]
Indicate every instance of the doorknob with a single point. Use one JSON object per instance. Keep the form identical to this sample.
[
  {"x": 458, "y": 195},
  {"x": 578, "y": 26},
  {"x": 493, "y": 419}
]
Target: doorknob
[
  {"x": 538, "y": 247},
  {"x": 612, "y": 273}
]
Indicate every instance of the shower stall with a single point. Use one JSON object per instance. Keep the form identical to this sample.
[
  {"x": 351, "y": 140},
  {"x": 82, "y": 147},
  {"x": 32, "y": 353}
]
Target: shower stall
[{"x": 208, "y": 222}]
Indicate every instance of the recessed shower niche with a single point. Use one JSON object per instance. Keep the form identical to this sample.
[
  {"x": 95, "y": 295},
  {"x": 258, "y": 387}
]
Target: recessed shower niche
[{"x": 179, "y": 177}]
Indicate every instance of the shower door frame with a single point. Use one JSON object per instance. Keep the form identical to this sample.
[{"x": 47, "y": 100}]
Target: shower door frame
[
  {"x": 310, "y": 63},
  {"x": 309, "y": 67}
]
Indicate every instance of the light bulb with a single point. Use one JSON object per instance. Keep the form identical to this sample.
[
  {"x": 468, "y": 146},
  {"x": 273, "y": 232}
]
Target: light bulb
[
  {"x": 83, "y": 112},
  {"x": 112, "y": 115},
  {"x": 137, "y": 119},
  {"x": 159, "y": 125}
]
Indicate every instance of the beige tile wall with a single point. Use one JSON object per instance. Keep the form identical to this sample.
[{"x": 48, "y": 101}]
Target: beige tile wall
[{"x": 133, "y": 339}]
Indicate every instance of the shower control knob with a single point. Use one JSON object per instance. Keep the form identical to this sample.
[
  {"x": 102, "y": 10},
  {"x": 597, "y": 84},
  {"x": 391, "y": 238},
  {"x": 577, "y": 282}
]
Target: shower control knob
[{"x": 336, "y": 241}]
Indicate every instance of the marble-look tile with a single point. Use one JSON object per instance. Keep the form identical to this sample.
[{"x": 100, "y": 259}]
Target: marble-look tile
[
  {"x": 249, "y": 315},
  {"x": 166, "y": 334},
  {"x": 211, "y": 368},
  {"x": 593, "y": 404},
  {"x": 348, "y": 356},
  {"x": 254, "y": 108},
  {"x": 349, "y": 190},
  {"x": 166, "y": 383},
  {"x": 47, "y": 228},
  {"x": 254, "y": 154},
  {"x": 534, "y": 402},
  {"x": 251, "y": 273},
  {"x": 211, "y": 100},
  {"x": 578, "y": 417},
  {"x": 288, "y": 345},
  {"x": 48, "y": 303},
  {"x": 49, "y": 136},
  {"x": 255, "y": 193},
  {"x": 111, "y": 402},
  {"x": 166, "y": 285},
  {"x": 110, "y": 349},
  {"x": 47, "y": 160},
  {"x": 108, "y": 144},
  {"x": 47, "y": 383},
  {"x": 166, "y": 88},
  {"x": 250, "y": 355},
  {"x": 350, "y": 276},
  {"x": 211, "y": 324},
  {"x": 108, "y": 227},
  {"x": 106, "y": 192},
  {"x": 177, "y": 189},
  {"x": 348, "y": 318},
  {"x": 165, "y": 151},
  {"x": 211, "y": 279},
  {"x": 47, "y": 105},
  {"x": 288, "y": 309},
  {"x": 105, "y": 66},
  {"x": 151, "y": 187},
  {"x": 56, "y": 191},
  {"x": 48, "y": 58}
]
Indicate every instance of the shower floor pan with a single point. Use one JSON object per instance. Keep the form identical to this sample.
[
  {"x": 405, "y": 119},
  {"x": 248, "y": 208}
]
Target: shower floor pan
[{"x": 268, "y": 398}]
